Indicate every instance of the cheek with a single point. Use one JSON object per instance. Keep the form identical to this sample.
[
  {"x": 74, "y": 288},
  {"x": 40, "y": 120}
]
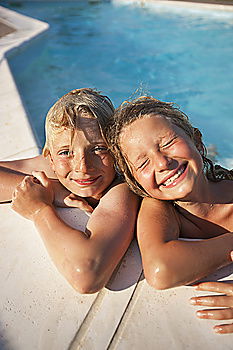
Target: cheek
[
  {"x": 61, "y": 167},
  {"x": 107, "y": 161},
  {"x": 184, "y": 149},
  {"x": 196, "y": 156},
  {"x": 144, "y": 178}
]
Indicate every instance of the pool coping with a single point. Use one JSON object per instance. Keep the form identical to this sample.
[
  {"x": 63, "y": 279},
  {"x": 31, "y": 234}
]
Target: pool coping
[{"x": 15, "y": 127}]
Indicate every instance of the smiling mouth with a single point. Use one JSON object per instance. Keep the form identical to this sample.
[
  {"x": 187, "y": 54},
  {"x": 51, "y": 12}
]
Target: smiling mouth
[
  {"x": 172, "y": 180},
  {"x": 86, "y": 182}
]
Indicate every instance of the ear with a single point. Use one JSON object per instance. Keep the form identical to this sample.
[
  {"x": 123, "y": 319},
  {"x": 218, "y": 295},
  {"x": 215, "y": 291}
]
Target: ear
[{"x": 51, "y": 161}]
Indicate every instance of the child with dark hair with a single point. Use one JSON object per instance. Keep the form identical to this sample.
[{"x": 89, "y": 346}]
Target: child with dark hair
[{"x": 163, "y": 159}]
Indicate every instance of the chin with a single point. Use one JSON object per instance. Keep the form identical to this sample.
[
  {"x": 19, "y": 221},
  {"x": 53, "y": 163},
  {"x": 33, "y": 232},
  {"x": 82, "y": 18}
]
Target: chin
[
  {"x": 183, "y": 194},
  {"x": 176, "y": 193}
]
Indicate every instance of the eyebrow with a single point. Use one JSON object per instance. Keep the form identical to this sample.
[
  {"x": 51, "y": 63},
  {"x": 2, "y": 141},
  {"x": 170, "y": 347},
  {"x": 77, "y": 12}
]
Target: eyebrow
[{"x": 63, "y": 146}]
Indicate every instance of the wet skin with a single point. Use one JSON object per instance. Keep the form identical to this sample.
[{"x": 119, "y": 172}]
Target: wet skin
[{"x": 81, "y": 161}]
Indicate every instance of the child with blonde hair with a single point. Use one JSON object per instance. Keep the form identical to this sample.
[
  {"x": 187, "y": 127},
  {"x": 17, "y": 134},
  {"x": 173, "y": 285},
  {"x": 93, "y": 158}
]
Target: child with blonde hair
[
  {"x": 79, "y": 157},
  {"x": 163, "y": 159}
]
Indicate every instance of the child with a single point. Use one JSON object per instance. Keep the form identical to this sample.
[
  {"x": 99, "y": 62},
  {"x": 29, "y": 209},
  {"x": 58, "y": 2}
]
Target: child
[
  {"x": 185, "y": 196},
  {"x": 79, "y": 157}
]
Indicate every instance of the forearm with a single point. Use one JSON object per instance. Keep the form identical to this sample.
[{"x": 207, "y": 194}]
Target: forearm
[
  {"x": 9, "y": 179},
  {"x": 27, "y": 165},
  {"x": 13, "y": 172},
  {"x": 182, "y": 262}
]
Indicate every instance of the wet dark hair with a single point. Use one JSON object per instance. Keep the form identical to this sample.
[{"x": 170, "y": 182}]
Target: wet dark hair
[{"x": 129, "y": 111}]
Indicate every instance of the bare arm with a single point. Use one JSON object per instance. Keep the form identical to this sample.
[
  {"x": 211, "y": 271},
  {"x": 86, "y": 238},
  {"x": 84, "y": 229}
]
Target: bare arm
[
  {"x": 27, "y": 165},
  {"x": 169, "y": 262},
  {"x": 13, "y": 172},
  {"x": 85, "y": 259}
]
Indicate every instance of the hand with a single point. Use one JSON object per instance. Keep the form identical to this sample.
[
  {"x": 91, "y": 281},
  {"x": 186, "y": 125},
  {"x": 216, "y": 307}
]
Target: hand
[
  {"x": 223, "y": 301},
  {"x": 32, "y": 195},
  {"x": 63, "y": 198},
  {"x": 73, "y": 200}
]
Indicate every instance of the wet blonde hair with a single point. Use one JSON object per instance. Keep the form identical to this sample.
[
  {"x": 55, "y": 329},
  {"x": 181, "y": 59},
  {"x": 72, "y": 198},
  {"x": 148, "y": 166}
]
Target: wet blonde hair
[
  {"x": 66, "y": 111},
  {"x": 129, "y": 111}
]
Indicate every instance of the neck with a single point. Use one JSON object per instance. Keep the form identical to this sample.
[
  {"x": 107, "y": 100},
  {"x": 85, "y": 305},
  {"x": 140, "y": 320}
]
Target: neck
[
  {"x": 207, "y": 197},
  {"x": 205, "y": 193}
]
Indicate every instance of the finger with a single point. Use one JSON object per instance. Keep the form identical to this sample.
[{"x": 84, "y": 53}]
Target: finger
[
  {"x": 27, "y": 179},
  {"x": 216, "y": 314},
  {"x": 218, "y": 287},
  {"x": 41, "y": 177},
  {"x": 224, "y": 328},
  {"x": 214, "y": 301},
  {"x": 78, "y": 204},
  {"x": 232, "y": 255}
]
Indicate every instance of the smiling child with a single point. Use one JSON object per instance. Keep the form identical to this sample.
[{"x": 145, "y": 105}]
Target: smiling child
[
  {"x": 185, "y": 196},
  {"x": 79, "y": 156}
]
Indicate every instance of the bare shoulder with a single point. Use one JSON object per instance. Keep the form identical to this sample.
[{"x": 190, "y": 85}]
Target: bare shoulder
[
  {"x": 116, "y": 213},
  {"x": 160, "y": 216},
  {"x": 117, "y": 208},
  {"x": 119, "y": 194},
  {"x": 158, "y": 207}
]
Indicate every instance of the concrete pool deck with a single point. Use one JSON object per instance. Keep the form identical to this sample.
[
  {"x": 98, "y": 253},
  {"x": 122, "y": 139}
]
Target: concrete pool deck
[{"x": 39, "y": 310}]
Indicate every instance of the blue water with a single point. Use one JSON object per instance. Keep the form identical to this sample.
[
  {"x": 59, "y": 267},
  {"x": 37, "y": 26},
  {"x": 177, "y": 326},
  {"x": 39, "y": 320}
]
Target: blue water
[{"x": 181, "y": 57}]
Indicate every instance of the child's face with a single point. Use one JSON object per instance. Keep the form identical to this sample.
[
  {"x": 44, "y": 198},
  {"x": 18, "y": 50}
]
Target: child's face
[
  {"x": 162, "y": 158},
  {"x": 82, "y": 163}
]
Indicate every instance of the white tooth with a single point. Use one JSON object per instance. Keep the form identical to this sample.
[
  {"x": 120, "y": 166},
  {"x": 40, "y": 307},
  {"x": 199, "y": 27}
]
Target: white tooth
[{"x": 171, "y": 179}]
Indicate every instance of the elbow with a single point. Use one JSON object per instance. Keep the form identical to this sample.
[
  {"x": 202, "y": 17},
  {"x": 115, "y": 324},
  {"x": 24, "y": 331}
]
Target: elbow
[
  {"x": 160, "y": 276},
  {"x": 85, "y": 288},
  {"x": 84, "y": 277}
]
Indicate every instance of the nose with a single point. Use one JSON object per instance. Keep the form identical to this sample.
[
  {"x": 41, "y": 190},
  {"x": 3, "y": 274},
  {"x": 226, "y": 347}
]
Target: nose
[
  {"x": 162, "y": 162},
  {"x": 81, "y": 163}
]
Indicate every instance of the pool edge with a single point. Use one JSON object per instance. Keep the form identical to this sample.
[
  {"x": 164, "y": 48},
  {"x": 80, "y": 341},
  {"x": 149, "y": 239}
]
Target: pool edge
[
  {"x": 17, "y": 139},
  {"x": 195, "y": 4}
]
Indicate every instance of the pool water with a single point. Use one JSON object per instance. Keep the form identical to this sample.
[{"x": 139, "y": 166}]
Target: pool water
[{"x": 182, "y": 57}]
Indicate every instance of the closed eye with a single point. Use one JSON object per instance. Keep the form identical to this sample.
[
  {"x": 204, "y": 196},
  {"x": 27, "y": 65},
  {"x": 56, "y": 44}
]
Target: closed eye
[
  {"x": 143, "y": 165},
  {"x": 169, "y": 143}
]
